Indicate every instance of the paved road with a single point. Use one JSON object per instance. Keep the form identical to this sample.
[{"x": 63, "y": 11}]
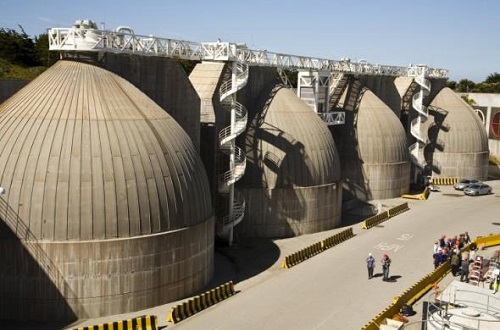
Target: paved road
[{"x": 331, "y": 290}]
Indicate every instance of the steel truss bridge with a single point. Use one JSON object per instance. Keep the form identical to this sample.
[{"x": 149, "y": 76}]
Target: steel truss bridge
[{"x": 84, "y": 36}]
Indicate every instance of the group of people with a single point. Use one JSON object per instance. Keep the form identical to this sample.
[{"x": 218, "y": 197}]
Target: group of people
[
  {"x": 386, "y": 263},
  {"x": 451, "y": 249},
  {"x": 444, "y": 249}
]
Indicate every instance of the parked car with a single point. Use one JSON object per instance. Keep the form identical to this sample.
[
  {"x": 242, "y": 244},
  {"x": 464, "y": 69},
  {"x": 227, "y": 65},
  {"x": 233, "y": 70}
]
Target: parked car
[
  {"x": 460, "y": 185},
  {"x": 476, "y": 189}
]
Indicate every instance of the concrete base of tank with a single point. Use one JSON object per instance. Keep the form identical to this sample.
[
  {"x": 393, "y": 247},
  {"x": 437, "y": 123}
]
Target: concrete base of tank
[
  {"x": 64, "y": 281},
  {"x": 282, "y": 213}
]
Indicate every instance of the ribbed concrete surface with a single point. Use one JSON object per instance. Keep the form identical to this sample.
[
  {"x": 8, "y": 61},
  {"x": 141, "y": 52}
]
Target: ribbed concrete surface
[
  {"x": 292, "y": 179},
  {"x": 374, "y": 154},
  {"x": 165, "y": 82},
  {"x": 86, "y": 155},
  {"x": 107, "y": 206},
  {"x": 461, "y": 150}
]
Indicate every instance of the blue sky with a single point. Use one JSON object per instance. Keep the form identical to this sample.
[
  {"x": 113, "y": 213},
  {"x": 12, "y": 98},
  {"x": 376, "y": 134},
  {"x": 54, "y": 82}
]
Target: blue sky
[{"x": 458, "y": 35}]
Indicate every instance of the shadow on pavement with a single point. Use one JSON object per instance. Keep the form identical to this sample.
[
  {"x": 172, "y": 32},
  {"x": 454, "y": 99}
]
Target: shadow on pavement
[{"x": 243, "y": 260}]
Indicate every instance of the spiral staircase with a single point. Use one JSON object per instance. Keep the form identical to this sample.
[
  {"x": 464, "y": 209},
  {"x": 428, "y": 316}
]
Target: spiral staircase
[
  {"x": 416, "y": 150},
  {"x": 237, "y": 159}
]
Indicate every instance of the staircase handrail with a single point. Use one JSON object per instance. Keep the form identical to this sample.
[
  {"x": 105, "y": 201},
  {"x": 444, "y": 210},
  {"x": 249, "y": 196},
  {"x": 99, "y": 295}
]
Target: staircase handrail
[
  {"x": 227, "y": 88},
  {"x": 229, "y": 133},
  {"x": 232, "y": 175},
  {"x": 236, "y": 217}
]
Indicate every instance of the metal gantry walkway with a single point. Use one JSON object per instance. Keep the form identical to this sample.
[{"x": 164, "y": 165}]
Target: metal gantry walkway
[
  {"x": 85, "y": 37},
  {"x": 315, "y": 74}
]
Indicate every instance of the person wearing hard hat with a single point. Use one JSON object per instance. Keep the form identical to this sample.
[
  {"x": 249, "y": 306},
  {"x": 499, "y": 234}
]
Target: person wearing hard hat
[{"x": 386, "y": 263}]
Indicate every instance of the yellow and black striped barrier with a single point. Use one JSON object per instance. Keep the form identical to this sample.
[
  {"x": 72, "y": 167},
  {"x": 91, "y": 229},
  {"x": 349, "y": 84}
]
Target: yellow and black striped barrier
[
  {"x": 398, "y": 209},
  {"x": 444, "y": 181},
  {"x": 422, "y": 196},
  {"x": 145, "y": 322},
  {"x": 381, "y": 217},
  {"x": 375, "y": 220},
  {"x": 316, "y": 248},
  {"x": 200, "y": 302},
  {"x": 409, "y": 296},
  {"x": 337, "y": 238},
  {"x": 310, "y": 251}
]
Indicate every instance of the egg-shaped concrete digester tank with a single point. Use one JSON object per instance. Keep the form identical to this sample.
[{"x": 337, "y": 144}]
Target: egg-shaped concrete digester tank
[
  {"x": 107, "y": 208},
  {"x": 373, "y": 150},
  {"x": 292, "y": 179},
  {"x": 458, "y": 143}
]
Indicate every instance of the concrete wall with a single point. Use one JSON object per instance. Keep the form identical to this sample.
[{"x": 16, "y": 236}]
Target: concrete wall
[
  {"x": 65, "y": 281},
  {"x": 165, "y": 82},
  {"x": 120, "y": 167},
  {"x": 458, "y": 144},
  {"x": 206, "y": 79},
  {"x": 385, "y": 89},
  {"x": 373, "y": 148},
  {"x": 270, "y": 212},
  {"x": 292, "y": 182},
  {"x": 291, "y": 212}
]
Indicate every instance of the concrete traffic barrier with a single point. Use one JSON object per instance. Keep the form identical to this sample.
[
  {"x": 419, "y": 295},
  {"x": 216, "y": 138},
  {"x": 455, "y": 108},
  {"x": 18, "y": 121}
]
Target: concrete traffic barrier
[
  {"x": 199, "y": 303},
  {"x": 316, "y": 248},
  {"x": 444, "y": 181},
  {"x": 145, "y": 322},
  {"x": 398, "y": 209},
  {"x": 375, "y": 220},
  {"x": 337, "y": 238}
]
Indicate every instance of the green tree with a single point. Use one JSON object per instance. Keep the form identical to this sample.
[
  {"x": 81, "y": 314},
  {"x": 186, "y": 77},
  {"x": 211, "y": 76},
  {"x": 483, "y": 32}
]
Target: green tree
[
  {"x": 493, "y": 78},
  {"x": 17, "y": 48},
  {"x": 187, "y": 65},
  {"x": 451, "y": 84},
  {"x": 44, "y": 55},
  {"x": 487, "y": 88},
  {"x": 465, "y": 86}
]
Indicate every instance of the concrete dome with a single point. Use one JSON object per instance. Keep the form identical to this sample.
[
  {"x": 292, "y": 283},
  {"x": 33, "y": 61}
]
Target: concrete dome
[
  {"x": 459, "y": 144},
  {"x": 374, "y": 151},
  {"x": 108, "y": 189},
  {"x": 292, "y": 179}
]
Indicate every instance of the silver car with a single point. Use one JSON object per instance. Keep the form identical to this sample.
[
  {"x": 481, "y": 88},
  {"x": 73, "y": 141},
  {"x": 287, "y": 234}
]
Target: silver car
[
  {"x": 476, "y": 189},
  {"x": 460, "y": 185}
]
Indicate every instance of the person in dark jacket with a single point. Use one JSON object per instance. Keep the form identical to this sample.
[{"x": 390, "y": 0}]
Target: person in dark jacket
[
  {"x": 370, "y": 264},
  {"x": 464, "y": 270},
  {"x": 386, "y": 263},
  {"x": 455, "y": 263},
  {"x": 439, "y": 258},
  {"x": 442, "y": 241},
  {"x": 467, "y": 239}
]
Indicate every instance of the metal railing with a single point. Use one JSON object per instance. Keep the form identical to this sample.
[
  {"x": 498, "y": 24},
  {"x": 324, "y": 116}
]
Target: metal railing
[{"x": 84, "y": 36}]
